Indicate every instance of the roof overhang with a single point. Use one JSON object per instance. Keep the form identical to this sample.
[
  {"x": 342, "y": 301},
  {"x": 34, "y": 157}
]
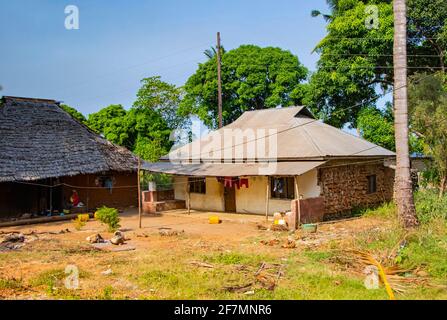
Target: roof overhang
[{"x": 294, "y": 168}]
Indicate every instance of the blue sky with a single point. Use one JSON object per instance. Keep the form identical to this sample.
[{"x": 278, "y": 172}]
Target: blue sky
[{"x": 121, "y": 42}]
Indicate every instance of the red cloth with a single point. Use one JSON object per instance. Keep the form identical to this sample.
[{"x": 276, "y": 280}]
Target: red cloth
[
  {"x": 231, "y": 182},
  {"x": 74, "y": 199},
  {"x": 243, "y": 182}
]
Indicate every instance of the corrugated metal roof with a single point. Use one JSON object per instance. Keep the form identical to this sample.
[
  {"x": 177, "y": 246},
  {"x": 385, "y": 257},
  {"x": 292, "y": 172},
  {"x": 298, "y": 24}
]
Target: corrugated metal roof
[
  {"x": 298, "y": 136},
  {"x": 234, "y": 169}
]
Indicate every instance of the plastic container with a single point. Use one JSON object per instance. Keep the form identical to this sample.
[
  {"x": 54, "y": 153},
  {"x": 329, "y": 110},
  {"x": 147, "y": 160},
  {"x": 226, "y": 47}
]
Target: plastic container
[
  {"x": 309, "y": 227},
  {"x": 214, "y": 220}
]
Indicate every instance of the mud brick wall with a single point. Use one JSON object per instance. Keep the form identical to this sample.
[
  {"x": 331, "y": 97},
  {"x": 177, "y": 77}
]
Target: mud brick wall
[{"x": 345, "y": 187}]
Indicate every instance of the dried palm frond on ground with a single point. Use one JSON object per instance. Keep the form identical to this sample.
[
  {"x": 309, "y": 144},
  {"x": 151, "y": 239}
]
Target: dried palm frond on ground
[{"x": 393, "y": 277}]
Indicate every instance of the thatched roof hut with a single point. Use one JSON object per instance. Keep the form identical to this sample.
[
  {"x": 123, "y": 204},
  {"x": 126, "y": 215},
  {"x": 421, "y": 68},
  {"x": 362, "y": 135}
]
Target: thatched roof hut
[{"x": 39, "y": 140}]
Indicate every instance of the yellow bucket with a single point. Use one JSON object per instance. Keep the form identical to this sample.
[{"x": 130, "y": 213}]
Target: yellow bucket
[{"x": 214, "y": 220}]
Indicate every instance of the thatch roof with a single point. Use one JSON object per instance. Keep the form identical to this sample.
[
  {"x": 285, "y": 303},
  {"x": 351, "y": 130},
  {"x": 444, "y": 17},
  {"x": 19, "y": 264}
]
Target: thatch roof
[
  {"x": 299, "y": 136},
  {"x": 39, "y": 140}
]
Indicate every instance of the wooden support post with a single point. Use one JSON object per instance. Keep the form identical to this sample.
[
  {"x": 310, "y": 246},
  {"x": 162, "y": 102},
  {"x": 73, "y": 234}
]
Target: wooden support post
[
  {"x": 219, "y": 83},
  {"x": 188, "y": 193},
  {"x": 51, "y": 196},
  {"x": 267, "y": 198},
  {"x": 139, "y": 193},
  {"x": 297, "y": 196}
]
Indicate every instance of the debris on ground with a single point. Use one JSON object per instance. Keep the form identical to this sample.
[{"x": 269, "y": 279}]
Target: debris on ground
[
  {"x": 249, "y": 293},
  {"x": 268, "y": 275},
  {"x": 95, "y": 238},
  {"x": 12, "y": 241},
  {"x": 142, "y": 235},
  {"x": 108, "y": 246},
  {"x": 169, "y": 232},
  {"x": 261, "y": 226},
  {"x": 394, "y": 278},
  {"x": 238, "y": 288},
  {"x": 279, "y": 227},
  {"x": 201, "y": 264},
  {"x": 107, "y": 272},
  {"x": 14, "y": 237},
  {"x": 271, "y": 242},
  {"x": 289, "y": 244},
  {"x": 118, "y": 238}
]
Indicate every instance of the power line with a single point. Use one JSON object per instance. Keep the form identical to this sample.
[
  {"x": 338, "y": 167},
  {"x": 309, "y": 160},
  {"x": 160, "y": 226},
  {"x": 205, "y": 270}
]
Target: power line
[
  {"x": 379, "y": 55},
  {"x": 315, "y": 120},
  {"x": 131, "y": 67}
]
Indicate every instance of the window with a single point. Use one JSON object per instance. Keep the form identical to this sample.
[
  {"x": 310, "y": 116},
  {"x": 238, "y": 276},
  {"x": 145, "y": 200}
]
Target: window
[
  {"x": 372, "y": 183},
  {"x": 282, "y": 187},
  {"x": 197, "y": 185},
  {"x": 106, "y": 182}
]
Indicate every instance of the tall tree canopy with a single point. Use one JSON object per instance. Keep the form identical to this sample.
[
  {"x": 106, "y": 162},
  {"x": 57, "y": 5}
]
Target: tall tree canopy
[
  {"x": 355, "y": 65},
  {"x": 252, "y": 78},
  {"x": 144, "y": 129},
  {"x": 377, "y": 126},
  {"x": 162, "y": 97},
  {"x": 74, "y": 113},
  {"x": 428, "y": 109}
]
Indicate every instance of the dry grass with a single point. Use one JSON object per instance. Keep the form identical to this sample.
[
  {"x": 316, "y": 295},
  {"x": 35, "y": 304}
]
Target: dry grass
[{"x": 205, "y": 262}]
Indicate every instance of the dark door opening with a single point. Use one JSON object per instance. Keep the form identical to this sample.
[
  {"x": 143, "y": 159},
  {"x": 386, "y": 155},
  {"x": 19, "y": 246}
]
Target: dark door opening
[{"x": 230, "y": 199}]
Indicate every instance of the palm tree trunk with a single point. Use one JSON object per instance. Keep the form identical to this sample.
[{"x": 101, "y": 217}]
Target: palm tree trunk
[
  {"x": 442, "y": 186},
  {"x": 403, "y": 184}
]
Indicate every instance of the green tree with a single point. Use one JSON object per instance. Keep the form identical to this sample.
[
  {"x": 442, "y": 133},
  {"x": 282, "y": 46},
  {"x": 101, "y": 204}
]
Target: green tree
[
  {"x": 103, "y": 119},
  {"x": 356, "y": 62},
  {"x": 145, "y": 128},
  {"x": 377, "y": 126},
  {"x": 74, "y": 113},
  {"x": 252, "y": 78},
  {"x": 428, "y": 109},
  {"x": 163, "y": 98}
]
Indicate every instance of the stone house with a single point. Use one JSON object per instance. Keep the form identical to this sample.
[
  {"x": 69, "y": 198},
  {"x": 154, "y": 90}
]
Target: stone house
[{"x": 279, "y": 160}]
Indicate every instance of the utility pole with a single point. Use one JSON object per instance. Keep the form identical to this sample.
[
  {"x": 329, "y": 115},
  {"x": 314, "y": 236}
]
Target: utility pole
[
  {"x": 139, "y": 193},
  {"x": 403, "y": 190},
  {"x": 219, "y": 82}
]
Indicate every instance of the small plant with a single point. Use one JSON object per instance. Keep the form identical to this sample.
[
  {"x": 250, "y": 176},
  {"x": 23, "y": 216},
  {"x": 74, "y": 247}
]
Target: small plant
[
  {"x": 78, "y": 223},
  {"x": 107, "y": 293},
  {"x": 108, "y": 216},
  {"x": 11, "y": 283}
]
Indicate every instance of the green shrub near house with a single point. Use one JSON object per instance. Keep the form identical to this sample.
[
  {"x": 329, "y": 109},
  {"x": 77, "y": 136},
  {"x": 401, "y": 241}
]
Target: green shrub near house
[{"x": 108, "y": 216}]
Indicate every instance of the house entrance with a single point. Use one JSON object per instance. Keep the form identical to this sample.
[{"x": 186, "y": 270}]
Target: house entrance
[{"x": 230, "y": 199}]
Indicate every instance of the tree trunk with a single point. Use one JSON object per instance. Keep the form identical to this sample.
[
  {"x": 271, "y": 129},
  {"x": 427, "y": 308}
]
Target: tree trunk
[
  {"x": 442, "y": 186},
  {"x": 403, "y": 184}
]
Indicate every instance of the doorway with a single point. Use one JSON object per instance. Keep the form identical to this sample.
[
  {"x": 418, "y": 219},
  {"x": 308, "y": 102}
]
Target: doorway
[{"x": 230, "y": 199}]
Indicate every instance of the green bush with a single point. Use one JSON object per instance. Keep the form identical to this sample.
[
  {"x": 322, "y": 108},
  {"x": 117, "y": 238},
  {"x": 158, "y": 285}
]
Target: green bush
[
  {"x": 108, "y": 216},
  {"x": 429, "y": 206}
]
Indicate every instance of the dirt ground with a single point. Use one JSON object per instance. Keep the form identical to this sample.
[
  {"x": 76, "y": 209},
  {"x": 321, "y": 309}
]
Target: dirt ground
[{"x": 202, "y": 261}]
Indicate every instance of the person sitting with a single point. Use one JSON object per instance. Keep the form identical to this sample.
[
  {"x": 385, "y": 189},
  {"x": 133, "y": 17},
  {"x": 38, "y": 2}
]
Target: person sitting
[{"x": 74, "y": 199}]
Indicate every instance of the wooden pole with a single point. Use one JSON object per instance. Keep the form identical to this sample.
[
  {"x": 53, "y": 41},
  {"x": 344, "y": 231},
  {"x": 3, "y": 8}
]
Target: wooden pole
[
  {"x": 297, "y": 190},
  {"x": 188, "y": 193},
  {"x": 219, "y": 82},
  {"x": 51, "y": 196},
  {"x": 267, "y": 198},
  {"x": 139, "y": 193}
]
